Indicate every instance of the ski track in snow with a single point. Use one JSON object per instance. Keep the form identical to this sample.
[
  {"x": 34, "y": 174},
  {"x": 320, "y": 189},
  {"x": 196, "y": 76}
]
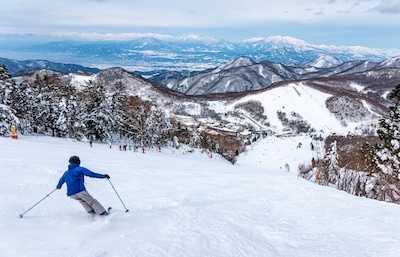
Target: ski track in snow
[{"x": 184, "y": 205}]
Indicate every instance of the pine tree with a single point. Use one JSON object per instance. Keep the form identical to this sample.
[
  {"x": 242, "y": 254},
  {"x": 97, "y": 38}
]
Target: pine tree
[
  {"x": 7, "y": 119},
  {"x": 332, "y": 161},
  {"x": 5, "y": 81},
  {"x": 119, "y": 100},
  {"x": 157, "y": 126},
  {"x": 388, "y": 153},
  {"x": 8, "y": 111},
  {"x": 19, "y": 98},
  {"x": 4, "y": 73},
  {"x": 68, "y": 122},
  {"x": 332, "y": 157},
  {"x": 46, "y": 107},
  {"x": 98, "y": 116}
]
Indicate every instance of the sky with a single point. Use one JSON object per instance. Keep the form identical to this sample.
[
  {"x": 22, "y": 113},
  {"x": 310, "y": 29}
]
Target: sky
[{"x": 370, "y": 23}]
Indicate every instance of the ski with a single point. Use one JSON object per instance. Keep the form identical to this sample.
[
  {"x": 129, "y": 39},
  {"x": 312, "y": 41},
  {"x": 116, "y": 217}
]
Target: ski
[
  {"x": 107, "y": 212},
  {"x": 95, "y": 216}
]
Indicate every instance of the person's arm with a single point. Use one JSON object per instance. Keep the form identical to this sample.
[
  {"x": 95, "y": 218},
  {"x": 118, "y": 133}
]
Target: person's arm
[
  {"x": 61, "y": 182},
  {"x": 92, "y": 174}
]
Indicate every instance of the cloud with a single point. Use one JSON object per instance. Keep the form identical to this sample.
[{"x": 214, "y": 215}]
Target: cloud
[
  {"x": 387, "y": 7},
  {"x": 111, "y": 16}
]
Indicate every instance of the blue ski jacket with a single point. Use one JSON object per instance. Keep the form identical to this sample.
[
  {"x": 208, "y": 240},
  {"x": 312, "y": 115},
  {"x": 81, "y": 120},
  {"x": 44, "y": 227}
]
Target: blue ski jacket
[{"x": 74, "y": 177}]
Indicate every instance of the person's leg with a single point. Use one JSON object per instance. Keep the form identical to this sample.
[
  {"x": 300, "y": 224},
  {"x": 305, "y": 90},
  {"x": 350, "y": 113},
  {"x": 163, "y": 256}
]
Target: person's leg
[
  {"x": 88, "y": 202},
  {"x": 85, "y": 205}
]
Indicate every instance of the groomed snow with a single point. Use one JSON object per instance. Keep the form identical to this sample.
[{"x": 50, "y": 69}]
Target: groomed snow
[
  {"x": 297, "y": 98},
  {"x": 184, "y": 204}
]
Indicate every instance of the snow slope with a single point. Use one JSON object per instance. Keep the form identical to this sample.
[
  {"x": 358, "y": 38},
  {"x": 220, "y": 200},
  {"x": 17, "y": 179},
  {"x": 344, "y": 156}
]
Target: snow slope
[
  {"x": 184, "y": 204},
  {"x": 309, "y": 103}
]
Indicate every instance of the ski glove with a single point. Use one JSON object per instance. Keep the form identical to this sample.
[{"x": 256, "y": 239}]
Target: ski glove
[{"x": 107, "y": 176}]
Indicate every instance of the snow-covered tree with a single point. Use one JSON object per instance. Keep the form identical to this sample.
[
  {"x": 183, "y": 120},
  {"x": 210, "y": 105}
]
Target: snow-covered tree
[
  {"x": 157, "y": 126},
  {"x": 69, "y": 122},
  {"x": 4, "y": 73},
  {"x": 119, "y": 99},
  {"x": 5, "y": 82},
  {"x": 20, "y": 99},
  {"x": 7, "y": 119},
  {"x": 97, "y": 112},
  {"x": 136, "y": 113},
  {"x": 332, "y": 157},
  {"x": 388, "y": 153},
  {"x": 17, "y": 98},
  {"x": 47, "y": 88}
]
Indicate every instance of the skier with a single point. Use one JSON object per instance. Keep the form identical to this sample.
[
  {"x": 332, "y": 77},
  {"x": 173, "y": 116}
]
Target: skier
[{"x": 74, "y": 178}]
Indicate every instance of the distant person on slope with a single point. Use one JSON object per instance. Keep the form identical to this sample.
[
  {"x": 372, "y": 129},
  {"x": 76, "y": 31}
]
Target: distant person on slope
[{"x": 74, "y": 178}]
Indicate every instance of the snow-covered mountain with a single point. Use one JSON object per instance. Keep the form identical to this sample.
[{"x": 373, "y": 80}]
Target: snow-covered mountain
[
  {"x": 17, "y": 67},
  {"x": 151, "y": 53},
  {"x": 351, "y": 104},
  {"x": 392, "y": 62},
  {"x": 324, "y": 61},
  {"x": 244, "y": 74},
  {"x": 364, "y": 94}
]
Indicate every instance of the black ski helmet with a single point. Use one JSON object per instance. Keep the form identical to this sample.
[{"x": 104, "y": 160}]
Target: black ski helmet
[{"x": 75, "y": 159}]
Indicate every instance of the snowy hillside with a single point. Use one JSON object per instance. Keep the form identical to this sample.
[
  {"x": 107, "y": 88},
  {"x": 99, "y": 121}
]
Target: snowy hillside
[
  {"x": 313, "y": 107},
  {"x": 307, "y": 102},
  {"x": 300, "y": 98},
  {"x": 244, "y": 74},
  {"x": 324, "y": 62},
  {"x": 184, "y": 205}
]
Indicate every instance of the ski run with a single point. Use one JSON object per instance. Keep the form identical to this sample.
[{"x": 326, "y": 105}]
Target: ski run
[{"x": 184, "y": 203}]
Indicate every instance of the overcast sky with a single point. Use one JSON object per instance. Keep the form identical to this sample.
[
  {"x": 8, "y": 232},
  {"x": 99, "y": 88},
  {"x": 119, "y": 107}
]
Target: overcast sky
[{"x": 371, "y": 23}]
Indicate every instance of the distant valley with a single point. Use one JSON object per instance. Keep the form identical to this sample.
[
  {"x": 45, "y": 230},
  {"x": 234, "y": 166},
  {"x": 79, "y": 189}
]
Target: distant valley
[
  {"x": 203, "y": 66},
  {"x": 150, "y": 56},
  {"x": 356, "y": 88},
  {"x": 346, "y": 103}
]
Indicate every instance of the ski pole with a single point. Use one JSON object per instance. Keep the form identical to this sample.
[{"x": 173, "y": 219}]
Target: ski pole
[
  {"x": 22, "y": 214},
  {"x": 126, "y": 210}
]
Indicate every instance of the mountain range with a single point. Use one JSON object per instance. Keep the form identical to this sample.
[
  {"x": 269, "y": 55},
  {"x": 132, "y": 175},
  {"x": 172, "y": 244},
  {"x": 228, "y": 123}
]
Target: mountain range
[
  {"x": 322, "y": 68},
  {"x": 18, "y": 68},
  {"x": 202, "y": 66},
  {"x": 244, "y": 74},
  {"x": 150, "y": 55},
  {"x": 351, "y": 103}
]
